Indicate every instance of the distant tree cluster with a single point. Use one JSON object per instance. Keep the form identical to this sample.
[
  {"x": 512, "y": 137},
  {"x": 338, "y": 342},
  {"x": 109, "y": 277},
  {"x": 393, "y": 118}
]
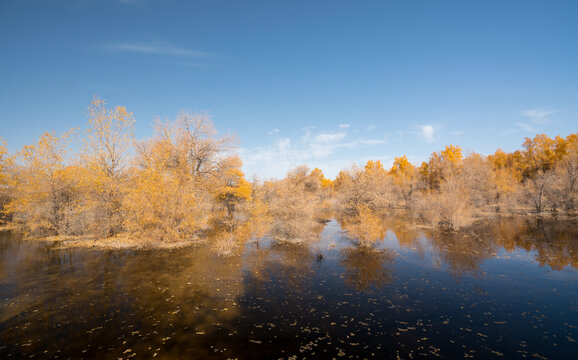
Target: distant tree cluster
[
  {"x": 450, "y": 190},
  {"x": 186, "y": 182}
]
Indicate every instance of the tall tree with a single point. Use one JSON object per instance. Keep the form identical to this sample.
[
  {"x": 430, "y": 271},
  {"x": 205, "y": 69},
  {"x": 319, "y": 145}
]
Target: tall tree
[
  {"x": 197, "y": 146},
  {"x": 106, "y": 143}
]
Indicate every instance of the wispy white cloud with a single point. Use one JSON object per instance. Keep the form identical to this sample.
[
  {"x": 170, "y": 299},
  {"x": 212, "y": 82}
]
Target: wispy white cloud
[
  {"x": 538, "y": 115},
  {"x": 344, "y": 126},
  {"x": 165, "y": 49},
  {"x": 536, "y": 118},
  {"x": 370, "y": 127},
  {"x": 427, "y": 133},
  {"x": 274, "y": 131},
  {"x": 326, "y": 138},
  {"x": 311, "y": 148},
  {"x": 284, "y": 145},
  {"x": 373, "y": 141}
]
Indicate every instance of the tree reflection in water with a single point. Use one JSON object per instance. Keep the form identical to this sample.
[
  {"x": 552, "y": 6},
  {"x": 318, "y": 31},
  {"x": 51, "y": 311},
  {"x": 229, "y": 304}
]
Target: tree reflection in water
[
  {"x": 194, "y": 302},
  {"x": 366, "y": 268},
  {"x": 554, "y": 241}
]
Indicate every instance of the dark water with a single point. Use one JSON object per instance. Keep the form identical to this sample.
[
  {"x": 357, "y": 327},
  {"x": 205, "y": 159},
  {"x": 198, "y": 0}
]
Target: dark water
[{"x": 504, "y": 289}]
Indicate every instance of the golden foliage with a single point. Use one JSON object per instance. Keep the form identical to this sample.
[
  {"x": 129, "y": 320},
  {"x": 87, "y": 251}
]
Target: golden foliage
[
  {"x": 367, "y": 268},
  {"x": 370, "y": 186},
  {"x": 447, "y": 207},
  {"x": 187, "y": 183},
  {"x": 177, "y": 178},
  {"x": 402, "y": 169},
  {"x": 163, "y": 202},
  {"x": 540, "y": 154},
  {"x": 232, "y": 188},
  {"x": 195, "y": 145},
  {"x": 107, "y": 139},
  {"x": 442, "y": 165},
  {"x": 6, "y": 177},
  {"x": 6, "y": 163},
  {"x": 47, "y": 188},
  {"x": 364, "y": 226},
  {"x": 294, "y": 207},
  {"x": 404, "y": 178},
  {"x": 453, "y": 155}
]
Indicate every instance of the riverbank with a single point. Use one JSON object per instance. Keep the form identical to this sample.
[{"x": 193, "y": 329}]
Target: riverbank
[
  {"x": 119, "y": 242},
  {"x": 137, "y": 242}
]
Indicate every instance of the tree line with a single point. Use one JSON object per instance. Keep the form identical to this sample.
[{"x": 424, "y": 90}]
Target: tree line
[{"x": 186, "y": 183}]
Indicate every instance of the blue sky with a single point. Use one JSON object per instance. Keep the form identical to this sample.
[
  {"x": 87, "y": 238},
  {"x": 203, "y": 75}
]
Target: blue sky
[{"x": 321, "y": 83}]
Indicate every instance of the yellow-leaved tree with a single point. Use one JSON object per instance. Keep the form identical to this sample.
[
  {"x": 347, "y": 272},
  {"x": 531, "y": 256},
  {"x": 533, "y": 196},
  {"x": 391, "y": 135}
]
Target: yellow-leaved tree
[
  {"x": 364, "y": 226},
  {"x": 107, "y": 140},
  {"x": 232, "y": 188},
  {"x": 477, "y": 176},
  {"x": 47, "y": 197},
  {"x": 161, "y": 204},
  {"x": 173, "y": 182},
  {"x": 444, "y": 165},
  {"x": 404, "y": 177},
  {"x": 370, "y": 186},
  {"x": 259, "y": 214},
  {"x": 294, "y": 206},
  {"x": 6, "y": 183},
  {"x": 198, "y": 146},
  {"x": 325, "y": 184},
  {"x": 540, "y": 155},
  {"x": 507, "y": 174},
  {"x": 446, "y": 200}
]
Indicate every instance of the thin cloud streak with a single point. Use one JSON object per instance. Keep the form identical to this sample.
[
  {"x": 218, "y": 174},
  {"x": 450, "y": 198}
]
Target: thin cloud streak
[
  {"x": 155, "y": 49},
  {"x": 538, "y": 115},
  {"x": 537, "y": 118},
  {"x": 329, "y": 138},
  {"x": 373, "y": 141}
]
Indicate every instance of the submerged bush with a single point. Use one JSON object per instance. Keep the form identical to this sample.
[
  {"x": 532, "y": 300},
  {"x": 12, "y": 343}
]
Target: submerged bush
[
  {"x": 364, "y": 226},
  {"x": 294, "y": 207},
  {"x": 448, "y": 207}
]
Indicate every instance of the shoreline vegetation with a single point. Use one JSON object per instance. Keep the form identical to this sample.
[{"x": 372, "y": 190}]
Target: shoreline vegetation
[
  {"x": 185, "y": 186},
  {"x": 365, "y": 234}
]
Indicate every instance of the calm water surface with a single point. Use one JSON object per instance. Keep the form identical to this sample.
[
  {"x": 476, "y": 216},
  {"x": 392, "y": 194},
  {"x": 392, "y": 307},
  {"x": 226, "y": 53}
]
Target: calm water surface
[{"x": 507, "y": 288}]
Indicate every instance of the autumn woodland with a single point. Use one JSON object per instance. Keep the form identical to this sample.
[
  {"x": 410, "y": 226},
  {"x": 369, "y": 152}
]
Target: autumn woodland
[{"x": 186, "y": 184}]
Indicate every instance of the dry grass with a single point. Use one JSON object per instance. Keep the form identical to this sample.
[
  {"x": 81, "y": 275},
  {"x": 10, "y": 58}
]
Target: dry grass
[{"x": 120, "y": 241}]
